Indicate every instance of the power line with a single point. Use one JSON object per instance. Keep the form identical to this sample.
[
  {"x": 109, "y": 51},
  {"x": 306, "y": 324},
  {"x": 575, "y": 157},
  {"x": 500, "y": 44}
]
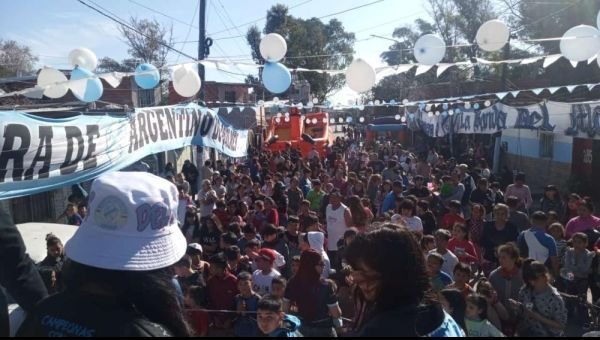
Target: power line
[
  {"x": 257, "y": 20},
  {"x": 164, "y": 15},
  {"x": 322, "y": 17},
  {"x": 351, "y": 9},
  {"x": 190, "y": 28},
  {"x": 135, "y": 30}
]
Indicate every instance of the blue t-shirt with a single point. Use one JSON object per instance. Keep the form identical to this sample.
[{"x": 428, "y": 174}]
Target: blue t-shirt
[
  {"x": 389, "y": 202},
  {"x": 75, "y": 220},
  {"x": 535, "y": 243},
  {"x": 245, "y": 325},
  {"x": 448, "y": 329},
  {"x": 440, "y": 281}
]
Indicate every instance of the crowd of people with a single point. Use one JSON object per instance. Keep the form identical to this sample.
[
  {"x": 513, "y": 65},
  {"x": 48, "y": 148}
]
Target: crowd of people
[{"x": 377, "y": 240}]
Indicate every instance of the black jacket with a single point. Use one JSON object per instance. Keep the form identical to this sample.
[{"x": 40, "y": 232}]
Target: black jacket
[
  {"x": 18, "y": 274},
  {"x": 76, "y": 314},
  {"x": 406, "y": 321}
]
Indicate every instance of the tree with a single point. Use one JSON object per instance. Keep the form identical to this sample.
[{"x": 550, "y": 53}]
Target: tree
[
  {"x": 537, "y": 20},
  {"x": 148, "y": 47},
  {"x": 312, "y": 44},
  {"x": 15, "y": 59}
]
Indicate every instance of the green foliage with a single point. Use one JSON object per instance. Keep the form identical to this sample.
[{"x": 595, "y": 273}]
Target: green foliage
[{"x": 312, "y": 44}]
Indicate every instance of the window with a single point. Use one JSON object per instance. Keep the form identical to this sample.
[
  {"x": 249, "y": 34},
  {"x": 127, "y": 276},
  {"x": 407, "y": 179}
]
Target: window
[
  {"x": 146, "y": 98},
  {"x": 230, "y": 96},
  {"x": 546, "y": 145}
]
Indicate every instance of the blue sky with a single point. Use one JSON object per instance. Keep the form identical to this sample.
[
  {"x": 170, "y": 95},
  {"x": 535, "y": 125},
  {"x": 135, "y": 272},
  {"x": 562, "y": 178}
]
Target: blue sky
[{"x": 54, "y": 27}]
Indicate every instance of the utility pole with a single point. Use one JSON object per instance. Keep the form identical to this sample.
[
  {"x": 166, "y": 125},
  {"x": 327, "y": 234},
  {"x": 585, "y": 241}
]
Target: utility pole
[
  {"x": 201, "y": 55},
  {"x": 202, "y": 46}
]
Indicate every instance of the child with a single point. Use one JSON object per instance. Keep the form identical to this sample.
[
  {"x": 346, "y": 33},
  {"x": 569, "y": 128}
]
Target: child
[
  {"x": 245, "y": 301},
  {"x": 572, "y": 207},
  {"x": 496, "y": 311},
  {"x": 349, "y": 236},
  {"x": 263, "y": 276},
  {"x": 278, "y": 286},
  {"x": 476, "y": 318},
  {"x": 195, "y": 300},
  {"x": 462, "y": 276},
  {"x": 557, "y": 231},
  {"x": 249, "y": 235},
  {"x": 295, "y": 265},
  {"x": 454, "y": 303},
  {"x": 553, "y": 217},
  {"x": 273, "y": 322},
  {"x": 439, "y": 279},
  {"x": 577, "y": 263},
  {"x": 460, "y": 245},
  {"x": 453, "y": 216},
  {"x": 442, "y": 237},
  {"x": 427, "y": 244}
]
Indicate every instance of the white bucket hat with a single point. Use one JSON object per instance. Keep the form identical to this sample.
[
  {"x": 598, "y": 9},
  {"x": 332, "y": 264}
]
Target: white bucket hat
[{"x": 131, "y": 224}]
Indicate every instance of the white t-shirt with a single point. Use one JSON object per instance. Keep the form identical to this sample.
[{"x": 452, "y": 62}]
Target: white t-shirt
[
  {"x": 414, "y": 223},
  {"x": 336, "y": 226},
  {"x": 261, "y": 283},
  {"x": 450, "y": 261},
  {"x": 207, "y": 209}
]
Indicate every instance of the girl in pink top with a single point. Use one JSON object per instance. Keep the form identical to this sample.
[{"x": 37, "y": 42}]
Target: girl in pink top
[
  {"x": 460, "y": 245},
  {"x": 585, "y": 221}
]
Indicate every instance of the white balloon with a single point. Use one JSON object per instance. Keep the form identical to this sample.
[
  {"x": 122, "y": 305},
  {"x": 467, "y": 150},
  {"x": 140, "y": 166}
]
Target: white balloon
[
  {"x": 186, "y": 82},
  {"x": 403, "y": 120},
  {"x": 310, "y": 105},
  {"x": 430, "y": 114},
  {"x": 273, "y": 47},
  {"x": 398, "y": 117},
  {"x": 377, "y": 102},
  {"x": 279, "y": 115},
  {"x": 314, "y": 120},
  {"x": 315, "y": 100},
  {"x": 492, "y": 35},
  {"x": 83, "y": 57},
  {"x": 287, "y": 119},
  {"x": 580, "y": 43},
  {"x": 324, "y": 120},
  {"x": 278, "y": 120},
  {"x": 467, "y": 105},
  {"x": 405, "y": 101},
  {"x": 360, "y": 76},
  {"x": 47, "y": 77},
  {"x": 430, "y": 49},
  {"x": 361, "y": 119},
  {"x": 487, "y": 103}
]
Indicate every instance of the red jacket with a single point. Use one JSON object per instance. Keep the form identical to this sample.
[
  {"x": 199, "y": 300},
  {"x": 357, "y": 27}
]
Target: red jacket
[{"x": 464, "y": 250}]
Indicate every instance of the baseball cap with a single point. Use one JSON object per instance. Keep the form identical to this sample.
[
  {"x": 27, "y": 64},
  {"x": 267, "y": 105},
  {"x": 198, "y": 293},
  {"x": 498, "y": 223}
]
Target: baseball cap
[
  {"x": 267, "y": 254},
  {"x": 131, "y": 224},
  {"x": 194, "y": 247}
]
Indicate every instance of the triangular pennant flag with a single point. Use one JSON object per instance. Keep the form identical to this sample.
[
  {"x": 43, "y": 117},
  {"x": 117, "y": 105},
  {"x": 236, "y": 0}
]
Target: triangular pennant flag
[
  {"x": 591, "y": 60},
  {"x": 591, "y": 86},
  {"x": 515, "y": 93},
  {"x": 35, "y": 92},
  {"x": 501, "y": 95},
  {"x": 113, "y": 78},
  {"x": 423, "y": 69},
  {"x": 537, "y": 91},
  {"x": 574, "y": 63},
  {"x": 404, "y": 68},
  {"x": 551, "y": 59},
  {"x": 553, "y": 89},
  {"x": 442, "y": 68},
  {"x": 571, "y": 88}
]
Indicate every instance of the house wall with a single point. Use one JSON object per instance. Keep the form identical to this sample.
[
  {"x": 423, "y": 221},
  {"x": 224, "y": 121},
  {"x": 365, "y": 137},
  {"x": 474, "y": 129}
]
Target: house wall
[{"x": 523, "y": 155}]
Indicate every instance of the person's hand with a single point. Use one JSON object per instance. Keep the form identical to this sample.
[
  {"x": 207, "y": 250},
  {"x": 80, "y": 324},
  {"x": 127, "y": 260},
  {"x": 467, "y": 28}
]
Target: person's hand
[{"x": 515, "y": 305}]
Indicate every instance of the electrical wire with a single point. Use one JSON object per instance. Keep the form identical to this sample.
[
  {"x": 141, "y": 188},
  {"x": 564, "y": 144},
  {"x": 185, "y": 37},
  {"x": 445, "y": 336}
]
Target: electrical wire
[
  {"x": 134, "y": 29},
  {"x": 164, "y": 15},
  {"x": 190, "y": 28}
]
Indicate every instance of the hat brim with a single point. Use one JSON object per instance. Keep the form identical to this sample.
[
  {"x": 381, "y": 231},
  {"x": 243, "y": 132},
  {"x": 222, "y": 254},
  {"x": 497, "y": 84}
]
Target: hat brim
[{"x": 93, "y": 247}]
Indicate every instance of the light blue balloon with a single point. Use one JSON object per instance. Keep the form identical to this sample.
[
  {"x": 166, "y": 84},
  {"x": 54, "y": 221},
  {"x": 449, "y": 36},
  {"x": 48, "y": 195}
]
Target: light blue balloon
[
  {"x": 93, "y": 87},
  {"x": 393, "y": 102},
  {"x": 150, "y": 77},
  {"x": 445, "y": 106},
  {"x": 411, "y": 115},
  {"x": 422, "y": 106},
  {"x": 476, "y": 106},
  {"x": 276, "y": 77}
]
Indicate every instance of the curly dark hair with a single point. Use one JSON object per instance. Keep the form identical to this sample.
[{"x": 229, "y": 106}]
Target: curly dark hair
[{"x": 395, "y": 255}]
